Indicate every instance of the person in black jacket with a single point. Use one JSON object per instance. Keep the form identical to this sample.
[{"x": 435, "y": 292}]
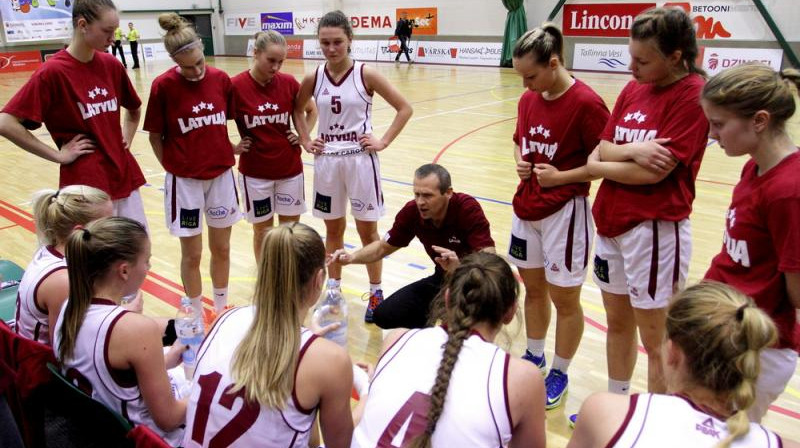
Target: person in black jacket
[{"x": 403, "y": 32}]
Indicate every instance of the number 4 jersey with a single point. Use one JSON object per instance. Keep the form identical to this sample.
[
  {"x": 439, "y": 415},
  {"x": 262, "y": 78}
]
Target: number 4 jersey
[
  {"x": 476, "y": 411},
  {"x": 216, "y": 418}
]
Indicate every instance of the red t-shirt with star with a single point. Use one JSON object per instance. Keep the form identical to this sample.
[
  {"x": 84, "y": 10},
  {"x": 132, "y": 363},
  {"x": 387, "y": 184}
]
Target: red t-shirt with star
[
  {"x": 72, "y": 97},
  {"x": 645, "y": 112},
  {"x": 192, "y": 117},
  {"x": 560, "y": 132},
  {"x": 464, "y": 229},
  {"x": 762, "y": 241},
  {"x": 264, "y": 114}
]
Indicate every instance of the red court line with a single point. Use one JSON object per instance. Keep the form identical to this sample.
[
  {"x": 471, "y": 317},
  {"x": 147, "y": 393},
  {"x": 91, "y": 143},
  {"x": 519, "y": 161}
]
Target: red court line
[
  {"x": 24, "y": 219},
  {"x": 457, "y": 139},
  {"x": 8, "y": 227}
]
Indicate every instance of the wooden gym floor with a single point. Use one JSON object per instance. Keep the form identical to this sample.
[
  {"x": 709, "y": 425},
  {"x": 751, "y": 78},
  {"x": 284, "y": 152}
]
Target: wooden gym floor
[{"x": 464, "y": 118}]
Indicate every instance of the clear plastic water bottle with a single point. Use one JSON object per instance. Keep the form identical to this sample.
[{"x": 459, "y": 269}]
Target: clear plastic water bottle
[
  {"x": 189, "y": 329},
  {"x": 333, "y": 309}
]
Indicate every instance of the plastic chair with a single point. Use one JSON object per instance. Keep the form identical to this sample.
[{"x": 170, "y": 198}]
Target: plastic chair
[
  {"x": 9, "y": 272},
  {"x": 92, "y": 419}
]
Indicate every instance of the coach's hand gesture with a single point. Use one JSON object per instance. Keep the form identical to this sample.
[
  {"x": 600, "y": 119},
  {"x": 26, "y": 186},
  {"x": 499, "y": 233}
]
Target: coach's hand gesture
[{"x": 447, "y": 258}]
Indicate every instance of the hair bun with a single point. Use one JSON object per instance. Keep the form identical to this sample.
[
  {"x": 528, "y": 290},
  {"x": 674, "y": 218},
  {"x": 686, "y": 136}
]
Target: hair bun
[{"x": 171, "y": 22}]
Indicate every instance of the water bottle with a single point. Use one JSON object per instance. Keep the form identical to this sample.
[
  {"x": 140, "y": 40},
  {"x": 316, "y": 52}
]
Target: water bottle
[
  {"x": 333, "y": 308},
  {"x": 189, "y": 329}
]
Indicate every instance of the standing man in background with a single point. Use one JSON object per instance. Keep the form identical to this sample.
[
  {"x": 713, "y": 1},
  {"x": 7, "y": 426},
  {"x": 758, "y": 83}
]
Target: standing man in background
[
  {"x": 403, "y": 32},
  {"x": 117, "y": 46},
  {"x": 133, "y": 38}
]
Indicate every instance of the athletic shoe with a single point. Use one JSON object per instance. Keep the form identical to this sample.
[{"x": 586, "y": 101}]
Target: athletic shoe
[
  {"x": 572, "y": 420},
  {"x": 556, "y": 384},
  {"x": 375, "y": 299},
  {"x": 538, "y": 361}
]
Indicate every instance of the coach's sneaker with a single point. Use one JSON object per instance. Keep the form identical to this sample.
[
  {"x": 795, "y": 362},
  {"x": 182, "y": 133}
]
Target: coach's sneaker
[
  {"x": 556, "y": 385},
  {"x": 375, "y": 299},
  {"x": 572, "y": 420},
  {"x": 538, "y": 361}
]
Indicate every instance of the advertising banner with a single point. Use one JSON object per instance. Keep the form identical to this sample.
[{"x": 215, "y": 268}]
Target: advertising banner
[
  {"x": 20, "y": 61},
  {"x": 458, "y": 53},
  {"x": 425, "y": 20},
  {"x": 294, "y": 49},
  {"x": 281, "y": 22},
  {"x": 716, "y": 60},
  {"x": 601, "y": 19},
  {"x": 242, "y": 24},
  {"x": 602, "y": 58},
  {"x": 153, "y": 52},
  {"x": 29, "y": 20},
  {"x": 713, "y": 19}
]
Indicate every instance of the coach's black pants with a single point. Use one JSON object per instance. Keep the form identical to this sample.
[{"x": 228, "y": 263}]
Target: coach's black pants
[
  {"x": 403, "y": 48},
  {"x": 409, "y": 307}
]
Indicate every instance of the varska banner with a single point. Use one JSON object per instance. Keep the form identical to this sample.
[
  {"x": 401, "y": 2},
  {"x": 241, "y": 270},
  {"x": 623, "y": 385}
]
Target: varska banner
[{"x": 28, "y": 20}]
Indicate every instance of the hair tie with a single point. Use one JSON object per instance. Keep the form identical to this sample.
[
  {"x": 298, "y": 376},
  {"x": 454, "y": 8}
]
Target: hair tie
[
  {"x": 54, "y": 198},
  {"x": 86, "y": 235},
  {"x": 740, "y": 312}
]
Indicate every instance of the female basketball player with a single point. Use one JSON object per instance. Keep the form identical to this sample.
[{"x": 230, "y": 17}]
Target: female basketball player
[
  {"x": 649, "y": 157},
  {"x": 748, "y": 107},
  {"x": 187, "y": 119},
  {"x": 45, "y": 285},
  {"x": 711, "y": 360},
  {"x": 270, "y": 170},
  {"x": 78, "y": 94},
  {"x": 278, "y": 400},
  {"x": 115, "y": 356},
  {"x": 559, "y": 121},
  {"x": 346, "y": 165},
  {"x": 428, "y": 380}
]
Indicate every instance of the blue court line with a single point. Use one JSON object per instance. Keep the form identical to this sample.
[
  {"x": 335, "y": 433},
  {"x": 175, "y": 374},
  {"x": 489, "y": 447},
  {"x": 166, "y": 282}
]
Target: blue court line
[{"x": 417, "y": 266}]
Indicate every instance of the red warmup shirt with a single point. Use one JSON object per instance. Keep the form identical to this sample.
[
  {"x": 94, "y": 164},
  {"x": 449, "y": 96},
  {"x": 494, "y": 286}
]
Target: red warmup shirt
[
  {"x": 464, "y": 229},
  {"x": 72, "y": 97},
  {"x": 645, "y": 112},
  {"x": 193, "y": 118},
  {"x": 762, "y": 241},
  {"x": 264, "y": 114},
  {"x": 562, "y": 132}
]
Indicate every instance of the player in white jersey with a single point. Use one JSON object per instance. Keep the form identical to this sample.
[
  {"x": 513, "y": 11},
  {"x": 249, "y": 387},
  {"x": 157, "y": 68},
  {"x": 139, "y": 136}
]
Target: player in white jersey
[
  {"x": 714, "y": 337},
  {"x": 114, "y": 355},
  {"x": 346, "y": 165},
  {"x": 44, "y": 286},
  {"x": 284, "y": 375},
  {"x": 450, "y": 385}
]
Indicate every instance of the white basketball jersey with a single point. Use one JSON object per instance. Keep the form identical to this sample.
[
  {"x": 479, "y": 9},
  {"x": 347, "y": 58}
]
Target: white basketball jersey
[
  {"x": 217, "y": 418},
  {"x": 475, "y": 414},
  {"x": 90, "y": 370},
  {"x": 32, "y": 321},
  {"x": 657, "y": 419},
  {"x": 345, "y": 109}
]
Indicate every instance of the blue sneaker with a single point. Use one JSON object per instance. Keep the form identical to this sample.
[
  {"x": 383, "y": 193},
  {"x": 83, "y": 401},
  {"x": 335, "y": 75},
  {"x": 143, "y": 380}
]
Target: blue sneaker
[
  {"x": 538, "y": 361},
  {"x": 375, "y": 299},
  {"x": 572, "y": 420},
  {"x": 556, "y": 385}
]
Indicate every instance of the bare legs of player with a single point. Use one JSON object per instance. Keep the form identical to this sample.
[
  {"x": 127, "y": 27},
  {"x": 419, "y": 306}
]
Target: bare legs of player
[
  {"x": 260, "y": 230},
  {"x": 569, "y": 313},
  {"x": 334, "y": 239},
  {"x": 192, "y": 253},
  {"x": 621, "y": 347}
]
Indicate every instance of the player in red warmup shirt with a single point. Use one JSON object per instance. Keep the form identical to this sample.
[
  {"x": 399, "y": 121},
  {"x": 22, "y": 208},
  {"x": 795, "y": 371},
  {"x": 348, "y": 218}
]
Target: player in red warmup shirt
[
  {"x": 78, "y": 95},
  {"x": 187, "y": 119},
  {"x": 748, "y": 107},
  {"x": 270, "y": 168},
  {"x": 559, "y": 121},
  {"x": 649, "y": 157}
]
